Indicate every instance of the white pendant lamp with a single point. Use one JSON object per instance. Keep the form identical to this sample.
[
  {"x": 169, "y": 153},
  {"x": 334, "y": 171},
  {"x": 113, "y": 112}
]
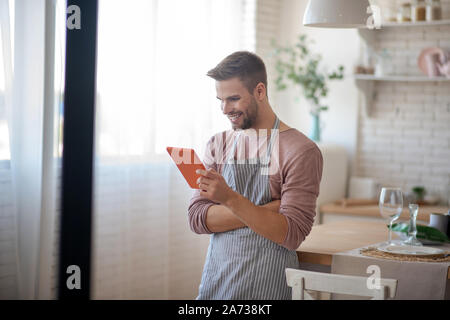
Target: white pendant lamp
[{"x": 336, "y": 13}]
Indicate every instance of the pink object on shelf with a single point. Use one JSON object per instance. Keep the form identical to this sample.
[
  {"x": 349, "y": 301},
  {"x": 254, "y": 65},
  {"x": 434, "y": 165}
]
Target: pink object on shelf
[
  {"x": 430, "y": 59},
  {"x": 444, "y": 69}
]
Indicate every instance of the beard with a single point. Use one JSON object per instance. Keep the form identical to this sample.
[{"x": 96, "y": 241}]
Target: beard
[{"x": 249, "y": 116}]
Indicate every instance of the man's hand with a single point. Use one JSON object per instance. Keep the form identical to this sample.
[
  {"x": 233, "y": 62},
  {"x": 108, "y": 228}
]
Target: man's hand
[
  {"x": 220, "y": 219},
  {"x": 213, "y": 186}
]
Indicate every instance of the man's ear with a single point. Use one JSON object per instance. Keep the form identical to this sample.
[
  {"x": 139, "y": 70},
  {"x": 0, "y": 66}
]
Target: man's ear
[{"x": 260, "y": 91}]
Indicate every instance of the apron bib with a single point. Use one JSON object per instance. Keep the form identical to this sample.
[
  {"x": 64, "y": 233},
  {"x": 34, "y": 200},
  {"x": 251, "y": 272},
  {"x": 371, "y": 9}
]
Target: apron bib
[{"x": 240, "y": 264}]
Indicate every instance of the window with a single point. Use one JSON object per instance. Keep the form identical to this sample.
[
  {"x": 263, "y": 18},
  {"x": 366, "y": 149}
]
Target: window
[
  {"x": 151, "y": 80},
  {"x": 6, "y": 68}
]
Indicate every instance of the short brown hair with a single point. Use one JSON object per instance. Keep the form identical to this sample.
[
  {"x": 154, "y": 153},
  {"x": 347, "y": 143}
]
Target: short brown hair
[{"x": 245, "y": 65}]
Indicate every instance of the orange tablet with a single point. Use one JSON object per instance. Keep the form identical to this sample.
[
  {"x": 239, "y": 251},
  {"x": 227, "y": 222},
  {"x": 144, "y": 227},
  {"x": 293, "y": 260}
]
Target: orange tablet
[{"x": 187, "y": 162}]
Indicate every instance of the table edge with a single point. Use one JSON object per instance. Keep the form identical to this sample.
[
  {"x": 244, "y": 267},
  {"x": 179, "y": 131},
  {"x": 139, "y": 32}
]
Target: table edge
[{"x": 325, "y": 259}]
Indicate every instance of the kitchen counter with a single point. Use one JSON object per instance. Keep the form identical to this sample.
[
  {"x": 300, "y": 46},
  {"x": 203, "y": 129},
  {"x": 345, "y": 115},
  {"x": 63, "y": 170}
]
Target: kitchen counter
[{"x": 372, "y": 211}]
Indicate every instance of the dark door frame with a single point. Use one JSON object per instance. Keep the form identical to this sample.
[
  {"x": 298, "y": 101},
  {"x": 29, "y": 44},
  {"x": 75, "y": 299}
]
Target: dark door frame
[{"x": 78, "y": 144}]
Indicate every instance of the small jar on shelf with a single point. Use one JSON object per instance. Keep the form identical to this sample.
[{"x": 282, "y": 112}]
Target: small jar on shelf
[
  {"x": 404, "y": 13},
  {"x": 418, "y": 10},
  {"x": 433, "y": 10},
  {"x": 383, "y": 65},
  {"x": 389, "y": 15}
]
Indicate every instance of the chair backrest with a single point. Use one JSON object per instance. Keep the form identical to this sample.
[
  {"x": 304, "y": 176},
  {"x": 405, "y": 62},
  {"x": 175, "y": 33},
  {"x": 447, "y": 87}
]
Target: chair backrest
[{"x": 301, "y": 280}]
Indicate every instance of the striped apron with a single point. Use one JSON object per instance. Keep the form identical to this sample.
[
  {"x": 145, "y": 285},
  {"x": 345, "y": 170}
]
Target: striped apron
[{"x": 240, "y": 264}]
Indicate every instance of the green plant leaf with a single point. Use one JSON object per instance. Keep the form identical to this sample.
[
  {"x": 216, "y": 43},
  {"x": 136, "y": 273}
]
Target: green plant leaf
[
  {"x": 423, "y": 232},
  {"x": 298, "y": 65}
]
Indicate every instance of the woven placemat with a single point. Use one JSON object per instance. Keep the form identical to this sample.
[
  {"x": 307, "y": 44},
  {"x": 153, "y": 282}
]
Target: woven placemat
[{"x": 374, "y": 252}]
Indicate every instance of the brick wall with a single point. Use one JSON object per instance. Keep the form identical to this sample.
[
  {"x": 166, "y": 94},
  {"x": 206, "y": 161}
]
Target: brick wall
[
  {"x": 267, "y": 22},
  {"x": 406, "y": 139}
]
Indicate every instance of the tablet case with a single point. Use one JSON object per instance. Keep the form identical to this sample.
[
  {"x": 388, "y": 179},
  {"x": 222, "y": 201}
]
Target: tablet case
[{"x": 187, "y": 162}]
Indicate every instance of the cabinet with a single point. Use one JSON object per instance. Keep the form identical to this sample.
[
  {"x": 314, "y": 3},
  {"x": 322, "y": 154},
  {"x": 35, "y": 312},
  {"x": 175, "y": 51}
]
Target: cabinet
[{"x": 334, "y": 175}]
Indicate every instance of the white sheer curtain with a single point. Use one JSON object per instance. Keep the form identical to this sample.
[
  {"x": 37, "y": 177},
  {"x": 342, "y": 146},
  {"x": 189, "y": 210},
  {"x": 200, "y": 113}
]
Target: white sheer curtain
[
  {"x": 28, "y": 149},
  {"x": 8, "y": 226},
  {"x": 153, "y": 92},
  {"x": 153, "y": 57}
]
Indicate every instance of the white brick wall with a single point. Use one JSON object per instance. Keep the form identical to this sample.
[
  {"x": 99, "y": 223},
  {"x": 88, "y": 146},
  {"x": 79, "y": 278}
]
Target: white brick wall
[
  {"x": 406, "y": 140},
  {"x": 267, "y": 29},
  {"x": 267, "y": 24}
]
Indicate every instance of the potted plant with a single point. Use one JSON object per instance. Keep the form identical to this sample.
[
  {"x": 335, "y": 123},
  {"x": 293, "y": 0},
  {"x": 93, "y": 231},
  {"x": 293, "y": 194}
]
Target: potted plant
[
  {"x": 419, "y": 194},
  {"x": 298, "y": 65}
]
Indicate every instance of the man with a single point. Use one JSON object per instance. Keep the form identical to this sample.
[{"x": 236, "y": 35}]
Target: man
[{"x": 256, "y": 220}]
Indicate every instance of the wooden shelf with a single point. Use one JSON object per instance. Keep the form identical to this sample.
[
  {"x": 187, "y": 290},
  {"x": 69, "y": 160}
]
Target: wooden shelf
[
  {"x": 415, "y": 24},
  {"x": 365, "y": 82},
  {"x": 400, "y": 78}
]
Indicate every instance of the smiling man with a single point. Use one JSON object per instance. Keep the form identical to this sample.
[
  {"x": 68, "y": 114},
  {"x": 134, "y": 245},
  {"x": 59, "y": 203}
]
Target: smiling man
[{"x": 257, "y": 217}]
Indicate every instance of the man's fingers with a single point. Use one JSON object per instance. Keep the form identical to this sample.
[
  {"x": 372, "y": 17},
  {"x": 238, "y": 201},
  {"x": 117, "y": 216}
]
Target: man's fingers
[
  {"x": 210, "y": 173},
  {"x": 204, "y": 180},
  {"x": 200, "y": 171},
  {"x": 203, "y": 186}
]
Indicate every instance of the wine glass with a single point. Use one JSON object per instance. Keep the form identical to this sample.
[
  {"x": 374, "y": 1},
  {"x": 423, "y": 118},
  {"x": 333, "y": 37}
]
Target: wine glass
[{"x": 391, "y": 206}]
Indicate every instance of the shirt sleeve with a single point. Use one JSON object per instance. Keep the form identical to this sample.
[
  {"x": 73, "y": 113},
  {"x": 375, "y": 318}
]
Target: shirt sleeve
[
  {"x": 299, "y": 192},
  {"x": 198, "y": 205}
]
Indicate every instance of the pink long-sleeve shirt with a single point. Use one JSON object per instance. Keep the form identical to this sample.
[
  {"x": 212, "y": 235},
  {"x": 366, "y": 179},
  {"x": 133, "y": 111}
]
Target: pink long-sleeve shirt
[{"x": 295, "y": 181}]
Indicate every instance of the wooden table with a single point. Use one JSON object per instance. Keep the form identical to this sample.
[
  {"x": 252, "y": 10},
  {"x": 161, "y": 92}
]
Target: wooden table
[
  {"x": 327, "y": 239},
  {"x": 374, "y": 211}
]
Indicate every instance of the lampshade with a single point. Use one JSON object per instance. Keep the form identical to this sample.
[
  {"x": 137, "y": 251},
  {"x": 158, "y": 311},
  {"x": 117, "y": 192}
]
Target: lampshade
[{"x": 336, "y": 13}]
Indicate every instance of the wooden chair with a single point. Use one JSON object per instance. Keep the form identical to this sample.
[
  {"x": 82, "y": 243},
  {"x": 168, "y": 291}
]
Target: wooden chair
[{"x": 301, "y": 280}]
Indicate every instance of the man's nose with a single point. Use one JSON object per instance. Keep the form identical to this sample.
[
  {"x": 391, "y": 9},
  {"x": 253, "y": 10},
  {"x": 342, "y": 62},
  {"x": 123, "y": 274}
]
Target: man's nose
[{"x": 226, "y": 107}]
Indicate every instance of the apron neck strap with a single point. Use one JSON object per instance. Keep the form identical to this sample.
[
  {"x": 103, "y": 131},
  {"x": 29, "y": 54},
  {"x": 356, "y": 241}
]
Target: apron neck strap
[{"x": 272, "y": 136}]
